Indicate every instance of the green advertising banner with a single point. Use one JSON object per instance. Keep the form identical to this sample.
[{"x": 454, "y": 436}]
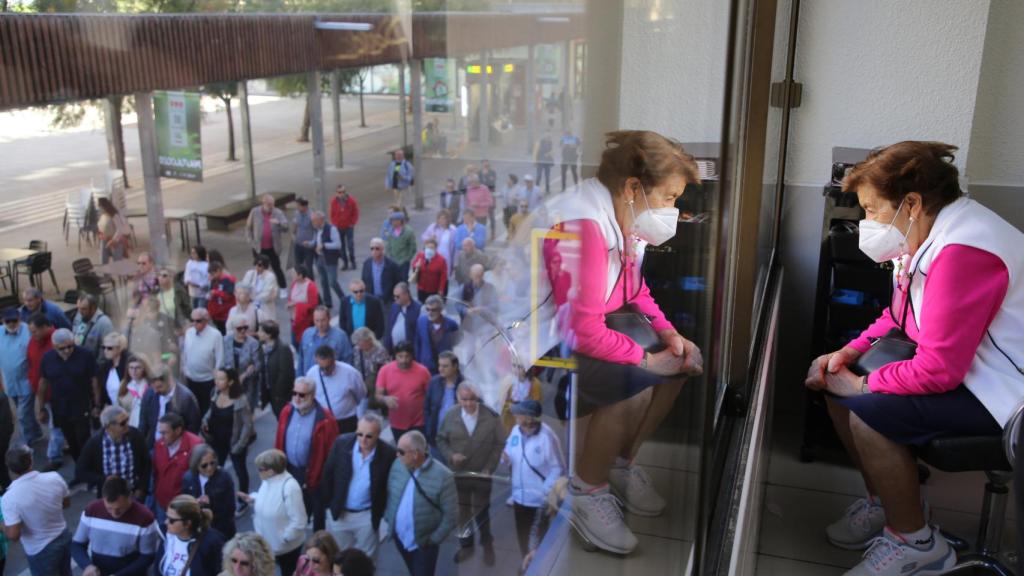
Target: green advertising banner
[
  {"x": 439, "y": 77},
  {"x": 178, "y": 146}
]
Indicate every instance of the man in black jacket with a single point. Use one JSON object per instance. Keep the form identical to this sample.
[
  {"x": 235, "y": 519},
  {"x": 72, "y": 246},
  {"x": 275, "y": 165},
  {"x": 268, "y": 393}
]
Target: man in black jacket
[
  {"x": 116, "y": 450},
  {"x": 275, "y": 368},
  {"x": 355, "y": 485},
  {"x": 359, "y": 305},
  {"x": 163, "y": 396},
  {"x": 380, "y": 273}
]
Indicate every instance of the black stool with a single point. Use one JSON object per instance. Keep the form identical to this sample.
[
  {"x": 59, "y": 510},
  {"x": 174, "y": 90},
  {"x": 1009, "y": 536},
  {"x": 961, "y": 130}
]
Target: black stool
[{"x": 970, "y": 454}]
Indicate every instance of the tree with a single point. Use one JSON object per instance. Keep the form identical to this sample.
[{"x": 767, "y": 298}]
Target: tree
[{"x": 225, "y": 91}]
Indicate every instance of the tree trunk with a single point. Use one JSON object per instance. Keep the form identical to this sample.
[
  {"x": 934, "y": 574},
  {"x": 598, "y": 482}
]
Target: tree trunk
[
  {"x": 231, "y": 130},
  {"x": 116, "y": 153},
  {"x": 362, "y": 110},
  {"x": 304, "y": 131}
]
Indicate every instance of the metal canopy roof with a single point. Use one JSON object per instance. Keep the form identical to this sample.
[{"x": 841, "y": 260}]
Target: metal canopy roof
[{"x": 47, "y": 58}]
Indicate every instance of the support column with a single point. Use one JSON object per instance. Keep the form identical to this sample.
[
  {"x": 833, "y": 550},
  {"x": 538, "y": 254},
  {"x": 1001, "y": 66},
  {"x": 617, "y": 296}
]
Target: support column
[
  {"x": 567, "y": 85},
  {"x": 401, "y": 102},
  {"x": 603, "y": 76},
  {"x": 115, "y": 135},
  {"x": 250, "y": 166},
  {"x": 417, "y": 125},
  {"x": 316, "y": 123},
  {"x": 151, "y": 177},
  {"x": 485, "y": 105},
  {"x": 339, "y": 157},
  {"x": 531, "y": 105}
]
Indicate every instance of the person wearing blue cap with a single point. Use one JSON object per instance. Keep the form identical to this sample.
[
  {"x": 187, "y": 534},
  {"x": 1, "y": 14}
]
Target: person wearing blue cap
[{"x": 535, "y": 455}]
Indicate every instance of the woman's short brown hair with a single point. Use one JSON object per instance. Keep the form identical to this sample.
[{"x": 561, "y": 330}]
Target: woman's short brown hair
[
  {"x": 910, "y": 166},
  {"x": 324, "y": 542},
  {"x": 645, "y": 155}
]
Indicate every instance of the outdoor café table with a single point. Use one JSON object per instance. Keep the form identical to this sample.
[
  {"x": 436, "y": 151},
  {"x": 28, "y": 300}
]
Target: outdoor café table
[
  {"x": 179, "y": 215},
  {"x": 11, "y": 255}
]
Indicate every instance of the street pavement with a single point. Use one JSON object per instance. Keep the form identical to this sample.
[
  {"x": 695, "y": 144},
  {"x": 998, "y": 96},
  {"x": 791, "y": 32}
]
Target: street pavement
[{"x": 366, "y": 160}]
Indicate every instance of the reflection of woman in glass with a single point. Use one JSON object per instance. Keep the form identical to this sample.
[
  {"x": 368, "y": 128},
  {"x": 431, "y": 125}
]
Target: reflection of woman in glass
[{"x": 624, "y": 389}]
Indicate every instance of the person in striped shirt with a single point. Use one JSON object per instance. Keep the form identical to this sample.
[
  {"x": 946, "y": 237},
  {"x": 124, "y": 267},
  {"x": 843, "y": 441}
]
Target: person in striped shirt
[{"x": 116, "y": 534}]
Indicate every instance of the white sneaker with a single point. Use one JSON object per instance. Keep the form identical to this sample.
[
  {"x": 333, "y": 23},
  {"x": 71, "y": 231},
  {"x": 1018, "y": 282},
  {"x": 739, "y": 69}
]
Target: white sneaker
[
  {"x": 633, "y": 486},
  {"x": 889, "y": 555},
  {"x": 861, "y": 523},
  {"x": 598, "y": 517}
]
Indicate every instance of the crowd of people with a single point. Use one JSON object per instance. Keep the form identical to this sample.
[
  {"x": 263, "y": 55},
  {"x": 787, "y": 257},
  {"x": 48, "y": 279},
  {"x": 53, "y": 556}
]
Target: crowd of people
[{"x": 380, "y": 435}]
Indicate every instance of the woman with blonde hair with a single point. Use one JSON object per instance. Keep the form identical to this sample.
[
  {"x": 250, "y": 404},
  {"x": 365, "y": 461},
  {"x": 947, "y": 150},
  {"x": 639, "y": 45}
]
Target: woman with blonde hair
[
  {"x": 248, "y": 554},
  {"x": 190, "y": 546},
  {"x": 279, "y": 515},
  {"x": 133, "y": 387},
  {"x": 320, "y": 552}
]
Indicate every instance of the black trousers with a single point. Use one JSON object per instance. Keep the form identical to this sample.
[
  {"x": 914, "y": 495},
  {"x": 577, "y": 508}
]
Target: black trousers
[
  {"x": 346, "y": 425},
  {"x": 275, "y": 263},
  {"x": 474, "y": 504},
  {"x": 420, "y": 562},
  {"x": 530, "y": 522},
  {"x": 288, "y": 561},
  {"x": 202, "y": 391},
  {"x": 575, "y": 176},
  {"x": 311, "y": 498},
  {"x": 76, "y": 433}
]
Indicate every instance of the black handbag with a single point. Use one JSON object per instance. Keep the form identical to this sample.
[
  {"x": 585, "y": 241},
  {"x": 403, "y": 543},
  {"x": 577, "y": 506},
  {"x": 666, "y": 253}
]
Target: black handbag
[
  {"x": 628, "y": 320},
  {"x": 895, "y": 346}
]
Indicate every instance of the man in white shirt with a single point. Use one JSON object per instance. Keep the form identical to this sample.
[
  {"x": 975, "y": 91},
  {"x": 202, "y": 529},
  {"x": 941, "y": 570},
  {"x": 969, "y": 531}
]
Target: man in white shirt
[
  {"x": 339, "y": 387},
  {"x": 201, "y": 354},
  {"x": 470, "y": 439},
  {"x": 33, "y": 513}
]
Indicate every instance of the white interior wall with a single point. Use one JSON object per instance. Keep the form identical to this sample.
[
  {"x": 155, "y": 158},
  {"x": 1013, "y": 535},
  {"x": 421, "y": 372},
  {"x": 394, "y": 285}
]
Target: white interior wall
[
  {"x": 876, "y": 72},
  {"x": 673, "y": 68}
]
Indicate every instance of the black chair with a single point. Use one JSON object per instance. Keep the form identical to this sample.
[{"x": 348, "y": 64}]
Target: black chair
[
  {"x": 972, "y": 454},
  {"x": 85, "y": 266},
  {"x": 93, "y": 284},
  {"x": 36, "y": 266},
  {"x": 35, "y": 245}
]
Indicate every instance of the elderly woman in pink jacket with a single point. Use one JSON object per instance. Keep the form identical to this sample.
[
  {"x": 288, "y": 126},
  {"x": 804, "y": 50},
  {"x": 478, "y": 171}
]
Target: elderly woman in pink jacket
[{"x": 964, "y": 377}]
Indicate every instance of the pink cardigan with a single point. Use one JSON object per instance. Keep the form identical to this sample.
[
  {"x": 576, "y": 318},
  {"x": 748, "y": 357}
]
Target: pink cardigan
[
  {"x": 589, "y": 307},
  {"x": 963, "y": 291}
]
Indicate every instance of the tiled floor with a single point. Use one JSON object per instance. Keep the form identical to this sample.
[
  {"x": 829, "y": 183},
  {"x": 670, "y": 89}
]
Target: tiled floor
[{"x": 801, "y": 498}]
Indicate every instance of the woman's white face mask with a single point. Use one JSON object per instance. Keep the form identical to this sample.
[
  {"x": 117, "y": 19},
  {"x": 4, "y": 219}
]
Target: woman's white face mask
[
  {"x": 882, "y": 242},
  {"x": 654, "y": 225}
]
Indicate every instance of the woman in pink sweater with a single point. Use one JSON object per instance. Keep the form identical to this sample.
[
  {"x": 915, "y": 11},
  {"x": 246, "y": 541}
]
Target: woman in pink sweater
[
  {"x": 954, "y": 297},
  {"x": 625, "y": 389}
]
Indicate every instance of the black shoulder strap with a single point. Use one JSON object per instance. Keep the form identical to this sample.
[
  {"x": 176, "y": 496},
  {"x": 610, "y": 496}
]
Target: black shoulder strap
[
  {"x": 522, "y": 445},
  {"x": 424, "y": 494},
  {"x": 326, "y": 395}
]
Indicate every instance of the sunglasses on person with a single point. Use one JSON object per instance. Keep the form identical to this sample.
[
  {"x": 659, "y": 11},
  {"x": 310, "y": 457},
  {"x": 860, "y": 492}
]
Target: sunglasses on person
[
  {"x": 206, "y": 465},
  {"x": 241, "y": 328},
  {"x": 108, "y": 348},
  {"x": 11, "y": 321},
  {"x": 172, "y": 520},
  {"x": 358, "y": 291},
  {"x": 298, "y": 394},
  {"x": 375, "y": 248},
  {"x": 242, "y": 563}
]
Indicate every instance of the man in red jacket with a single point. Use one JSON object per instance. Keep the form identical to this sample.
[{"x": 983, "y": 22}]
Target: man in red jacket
[
  {"x": 222, "y": 295},
  {"x": 344, "y": 217},
  {"x": 305, "y": 433},
  {"x": 170, "y": 461}
]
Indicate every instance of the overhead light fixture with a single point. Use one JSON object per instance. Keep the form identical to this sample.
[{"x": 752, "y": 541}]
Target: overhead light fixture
[
  {"x": 553, "y": 19},
  {"x": 343, "y": 26}
]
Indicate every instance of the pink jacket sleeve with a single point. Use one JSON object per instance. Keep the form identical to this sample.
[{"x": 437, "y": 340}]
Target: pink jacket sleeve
[
  {"x": 956, "y": 313},
  {"x": 593, "y": 337}
]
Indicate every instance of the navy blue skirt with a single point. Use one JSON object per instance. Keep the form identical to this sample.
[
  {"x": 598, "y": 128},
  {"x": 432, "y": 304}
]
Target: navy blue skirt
[
  {"x": 602, "y": 383},
  {"x": 917, "y": 420}
]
